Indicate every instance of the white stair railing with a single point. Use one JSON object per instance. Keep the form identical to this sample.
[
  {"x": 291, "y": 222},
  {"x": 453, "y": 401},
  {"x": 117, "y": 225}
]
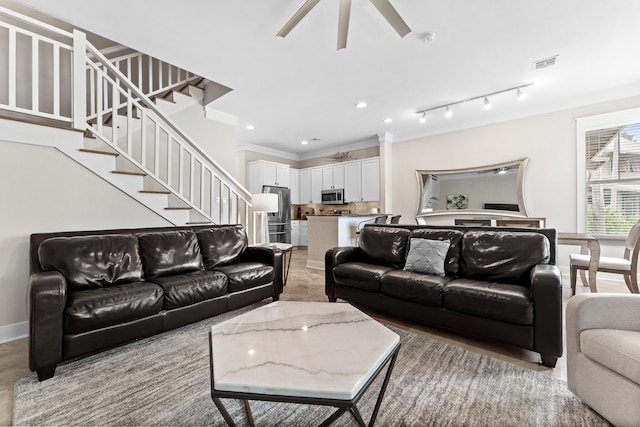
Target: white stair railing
[
  {"x": 25, "y": 88},
  {"x": 82, "y": 87},
  {"x": 158, "y": 147}
]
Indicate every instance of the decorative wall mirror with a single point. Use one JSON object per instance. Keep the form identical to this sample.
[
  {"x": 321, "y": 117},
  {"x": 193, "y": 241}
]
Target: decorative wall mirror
[{"x": 486, "y": 190}]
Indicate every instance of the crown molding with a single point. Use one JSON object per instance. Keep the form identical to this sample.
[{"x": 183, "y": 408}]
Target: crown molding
[
  {"x": 220, "y": 116},
  {"x": 269, "y": 151},
  {"x": 350, "y": 147},
  {"x": 321, "y": 153}
]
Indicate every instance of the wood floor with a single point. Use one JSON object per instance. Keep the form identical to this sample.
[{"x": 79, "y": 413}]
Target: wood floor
[{"x": 307, "y": 284}]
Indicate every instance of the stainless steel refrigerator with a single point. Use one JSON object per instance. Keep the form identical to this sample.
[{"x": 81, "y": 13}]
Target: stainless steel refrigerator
[{"x": 280, "y": 222}]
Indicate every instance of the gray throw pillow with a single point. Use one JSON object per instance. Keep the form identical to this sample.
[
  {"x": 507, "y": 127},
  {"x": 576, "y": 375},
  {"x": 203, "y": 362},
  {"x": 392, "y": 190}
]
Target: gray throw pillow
[{"x": 427, "y": 256}]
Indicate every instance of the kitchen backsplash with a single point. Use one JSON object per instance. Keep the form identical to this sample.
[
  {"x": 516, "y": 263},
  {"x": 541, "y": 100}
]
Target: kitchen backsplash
[{"x": 357, "y": 208}]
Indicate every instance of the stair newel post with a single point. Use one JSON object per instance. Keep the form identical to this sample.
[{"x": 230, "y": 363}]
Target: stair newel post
[{"x": 79, "y": 80}]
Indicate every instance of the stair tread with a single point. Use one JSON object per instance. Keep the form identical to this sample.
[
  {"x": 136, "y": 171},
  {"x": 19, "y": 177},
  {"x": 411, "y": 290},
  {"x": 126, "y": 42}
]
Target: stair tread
[
  {"x": 91, "y": 150},
  {"x": 130, "y": 173},
  {"x": 199, "y": 222},
  {"x": 155, "y": 191},
  {"x": 177, "y": 208}
]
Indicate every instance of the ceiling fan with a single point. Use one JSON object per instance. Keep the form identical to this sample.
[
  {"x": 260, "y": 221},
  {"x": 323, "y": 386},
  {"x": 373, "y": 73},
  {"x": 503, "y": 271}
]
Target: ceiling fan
[{"x": 384, "y": 7}]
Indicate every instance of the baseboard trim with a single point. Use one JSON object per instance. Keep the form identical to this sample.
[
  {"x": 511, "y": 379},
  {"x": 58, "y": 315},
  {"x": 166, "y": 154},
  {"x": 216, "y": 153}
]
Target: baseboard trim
[
  {"x": 14, "y": 332},
  {"x": 315, "y": 264}
]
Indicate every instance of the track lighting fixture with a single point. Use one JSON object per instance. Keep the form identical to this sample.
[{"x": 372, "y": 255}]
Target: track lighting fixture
[{"x": 485, "y": 101}]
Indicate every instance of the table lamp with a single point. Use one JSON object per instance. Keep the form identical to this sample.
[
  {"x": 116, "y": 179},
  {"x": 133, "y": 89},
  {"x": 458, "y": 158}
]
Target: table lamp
[{"x": 263, "y": 203}]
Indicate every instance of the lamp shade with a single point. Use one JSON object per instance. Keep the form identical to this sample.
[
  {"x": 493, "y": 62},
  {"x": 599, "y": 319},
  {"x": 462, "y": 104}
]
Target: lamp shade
[{"x": 264, "y": 202}]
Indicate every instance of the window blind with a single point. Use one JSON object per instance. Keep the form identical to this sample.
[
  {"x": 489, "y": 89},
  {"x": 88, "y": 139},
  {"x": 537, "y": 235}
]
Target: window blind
[{"x": 612, "y": 178}]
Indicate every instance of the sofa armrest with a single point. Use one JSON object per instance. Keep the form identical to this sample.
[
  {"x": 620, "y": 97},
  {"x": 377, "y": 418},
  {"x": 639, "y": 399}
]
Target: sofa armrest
[
  {"x": 597, "y": 311},
  {"x": 332, "y": 258},
  {"x": 47, "y": 299},
  {"x": 546, "y": 293},
  {"x": 268, "y": 256}
]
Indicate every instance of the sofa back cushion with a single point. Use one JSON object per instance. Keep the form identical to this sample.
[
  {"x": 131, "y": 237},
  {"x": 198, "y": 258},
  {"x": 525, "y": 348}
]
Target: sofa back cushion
[
  {"x": 90, "y": 262},
  {"x": 452, "y": 260},
  {"x": 170, "y": 252},
  {"x": 387, "y": 245},
  {"x": 222, "y": 245},
  {"x": 503, "y": 256}
]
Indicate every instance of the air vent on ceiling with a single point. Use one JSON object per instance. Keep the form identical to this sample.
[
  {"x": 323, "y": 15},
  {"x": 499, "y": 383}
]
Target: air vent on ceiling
[{"x": 544, "y": 63}]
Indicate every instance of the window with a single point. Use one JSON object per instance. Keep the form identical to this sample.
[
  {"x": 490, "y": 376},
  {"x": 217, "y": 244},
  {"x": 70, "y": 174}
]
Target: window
[{"x": 612, "y": 174}]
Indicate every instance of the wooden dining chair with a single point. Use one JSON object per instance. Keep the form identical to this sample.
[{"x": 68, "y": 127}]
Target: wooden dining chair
[
  {"x": 395, "y": 219},
  {"x": 627, "y": 265}
]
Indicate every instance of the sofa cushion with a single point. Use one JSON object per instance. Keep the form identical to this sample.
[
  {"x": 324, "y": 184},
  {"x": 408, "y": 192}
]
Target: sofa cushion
[
  {"x": 360, "y": 275},
  {"x": 427, "y": 256},
  {"x": 503, "y": 256},
  {"x": 246, "y": 275},
  {"x": 99, "y": 308},
  {"x": 415, "y": 287},
  {"x": 189, "y": 288},
  {"x": 222, "y": 245},
  {"x": 90, "y": 262},
  {"x": 616, "y": 349},
  {"x": 452, "y": 261},
  {"x": 170, "y": 252},
  {"x": 387, "y": 245},
  {"x": 498, "y": 301}
]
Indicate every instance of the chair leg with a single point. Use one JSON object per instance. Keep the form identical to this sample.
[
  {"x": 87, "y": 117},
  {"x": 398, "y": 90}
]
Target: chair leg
[
  {"x": 632, "y": 283},
  {"x": 572, "y": 276}
]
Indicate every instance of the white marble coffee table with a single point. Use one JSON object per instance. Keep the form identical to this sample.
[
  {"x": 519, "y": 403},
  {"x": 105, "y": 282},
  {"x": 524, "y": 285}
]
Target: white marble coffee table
[{"x": 316, "y": 353}]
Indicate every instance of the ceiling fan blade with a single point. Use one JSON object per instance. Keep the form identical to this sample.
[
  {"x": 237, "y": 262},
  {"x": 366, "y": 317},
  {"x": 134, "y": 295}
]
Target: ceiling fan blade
[
  {"x": 343, "y": 23},
  {"x": 392, "y": 16},
  {"x": 297, "y": 17}
]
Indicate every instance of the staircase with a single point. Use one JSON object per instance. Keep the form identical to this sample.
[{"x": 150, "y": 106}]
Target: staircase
[{"x": 122, "y": 105}]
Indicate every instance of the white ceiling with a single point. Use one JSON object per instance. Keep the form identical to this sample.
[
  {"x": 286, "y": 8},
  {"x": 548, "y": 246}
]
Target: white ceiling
[{"x": 301, "y": 87}]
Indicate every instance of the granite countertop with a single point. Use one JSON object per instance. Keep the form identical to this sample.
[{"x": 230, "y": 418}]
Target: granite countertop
[{"x": 345, "y": 215}]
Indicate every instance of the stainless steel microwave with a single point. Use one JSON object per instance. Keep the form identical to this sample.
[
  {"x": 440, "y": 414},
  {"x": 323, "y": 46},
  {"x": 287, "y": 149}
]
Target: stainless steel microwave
[{"x": 333, "y": 197}]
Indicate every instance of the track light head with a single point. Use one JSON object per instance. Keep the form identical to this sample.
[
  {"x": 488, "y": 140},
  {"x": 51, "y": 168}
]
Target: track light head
[
  {"x": 448, "y": 112},
  {"x": 423, "y": 118},
  {"x": 520, "y": 94},
  {"x": 486, "y": 103}
]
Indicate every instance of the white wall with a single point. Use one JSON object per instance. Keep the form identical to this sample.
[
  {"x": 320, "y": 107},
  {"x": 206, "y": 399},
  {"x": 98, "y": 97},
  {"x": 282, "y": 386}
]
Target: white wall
[
  {"x": 215, "y": 138},
  {"x": 548, "y": 140},
  {"x": 44, "y": 190}
]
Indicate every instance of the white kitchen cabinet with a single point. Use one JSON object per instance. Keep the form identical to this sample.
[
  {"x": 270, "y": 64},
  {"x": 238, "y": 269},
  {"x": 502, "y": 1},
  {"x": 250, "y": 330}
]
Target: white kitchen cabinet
[
  {"x": 294, "y": 185},
  {"x": 311, "y": 185},
  {"x": 262, "y": 172},
  {"x": 295, "y": 232},
  {"x": 333, "y": 177},
  {"x": 352, "y": 178},
  {"x": 316, "y": 185},
  {"x": 282, "y": 175},
  {"x": 371, "y": 179},
  {"x": 305, "y": 186},
  {"x": 304, "y": 234}
]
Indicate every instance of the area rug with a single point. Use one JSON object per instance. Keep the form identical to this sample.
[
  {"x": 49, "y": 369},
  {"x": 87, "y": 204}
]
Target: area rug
[{"x": 164, "y": 380}]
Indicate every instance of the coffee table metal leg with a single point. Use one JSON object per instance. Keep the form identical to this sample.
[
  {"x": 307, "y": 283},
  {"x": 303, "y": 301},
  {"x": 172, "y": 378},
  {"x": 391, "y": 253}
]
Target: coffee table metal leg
[
  {"x": 392, "y": 362},
  {"x": 223, "y": 411},
  {"x": 247, "y": 408},
  {"x": 337, "y": 414}
]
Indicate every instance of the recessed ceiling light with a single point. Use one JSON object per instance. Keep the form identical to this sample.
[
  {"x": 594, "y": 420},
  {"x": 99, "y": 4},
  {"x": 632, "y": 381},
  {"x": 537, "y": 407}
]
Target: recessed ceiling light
[
  {"x": 250, "y": 127},
  {"x": 304, "y": 142},
  {"x": 388, "y": 120},
  {"x": 361, "y": 104}
]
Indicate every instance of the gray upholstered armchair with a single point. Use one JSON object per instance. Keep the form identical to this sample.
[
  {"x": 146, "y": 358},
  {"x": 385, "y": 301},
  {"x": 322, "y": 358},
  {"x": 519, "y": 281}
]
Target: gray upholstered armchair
[{"x": 603, "y": 354}]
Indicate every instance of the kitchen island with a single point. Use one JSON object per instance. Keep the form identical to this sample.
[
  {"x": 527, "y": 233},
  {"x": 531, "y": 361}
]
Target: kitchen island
[{"x": 329, "y": 231}]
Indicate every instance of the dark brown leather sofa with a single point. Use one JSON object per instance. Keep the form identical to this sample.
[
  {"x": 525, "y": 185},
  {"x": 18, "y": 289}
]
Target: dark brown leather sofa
[
  {"x": 499, "y": 283},
  {"x": 94, "y": 290}
]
